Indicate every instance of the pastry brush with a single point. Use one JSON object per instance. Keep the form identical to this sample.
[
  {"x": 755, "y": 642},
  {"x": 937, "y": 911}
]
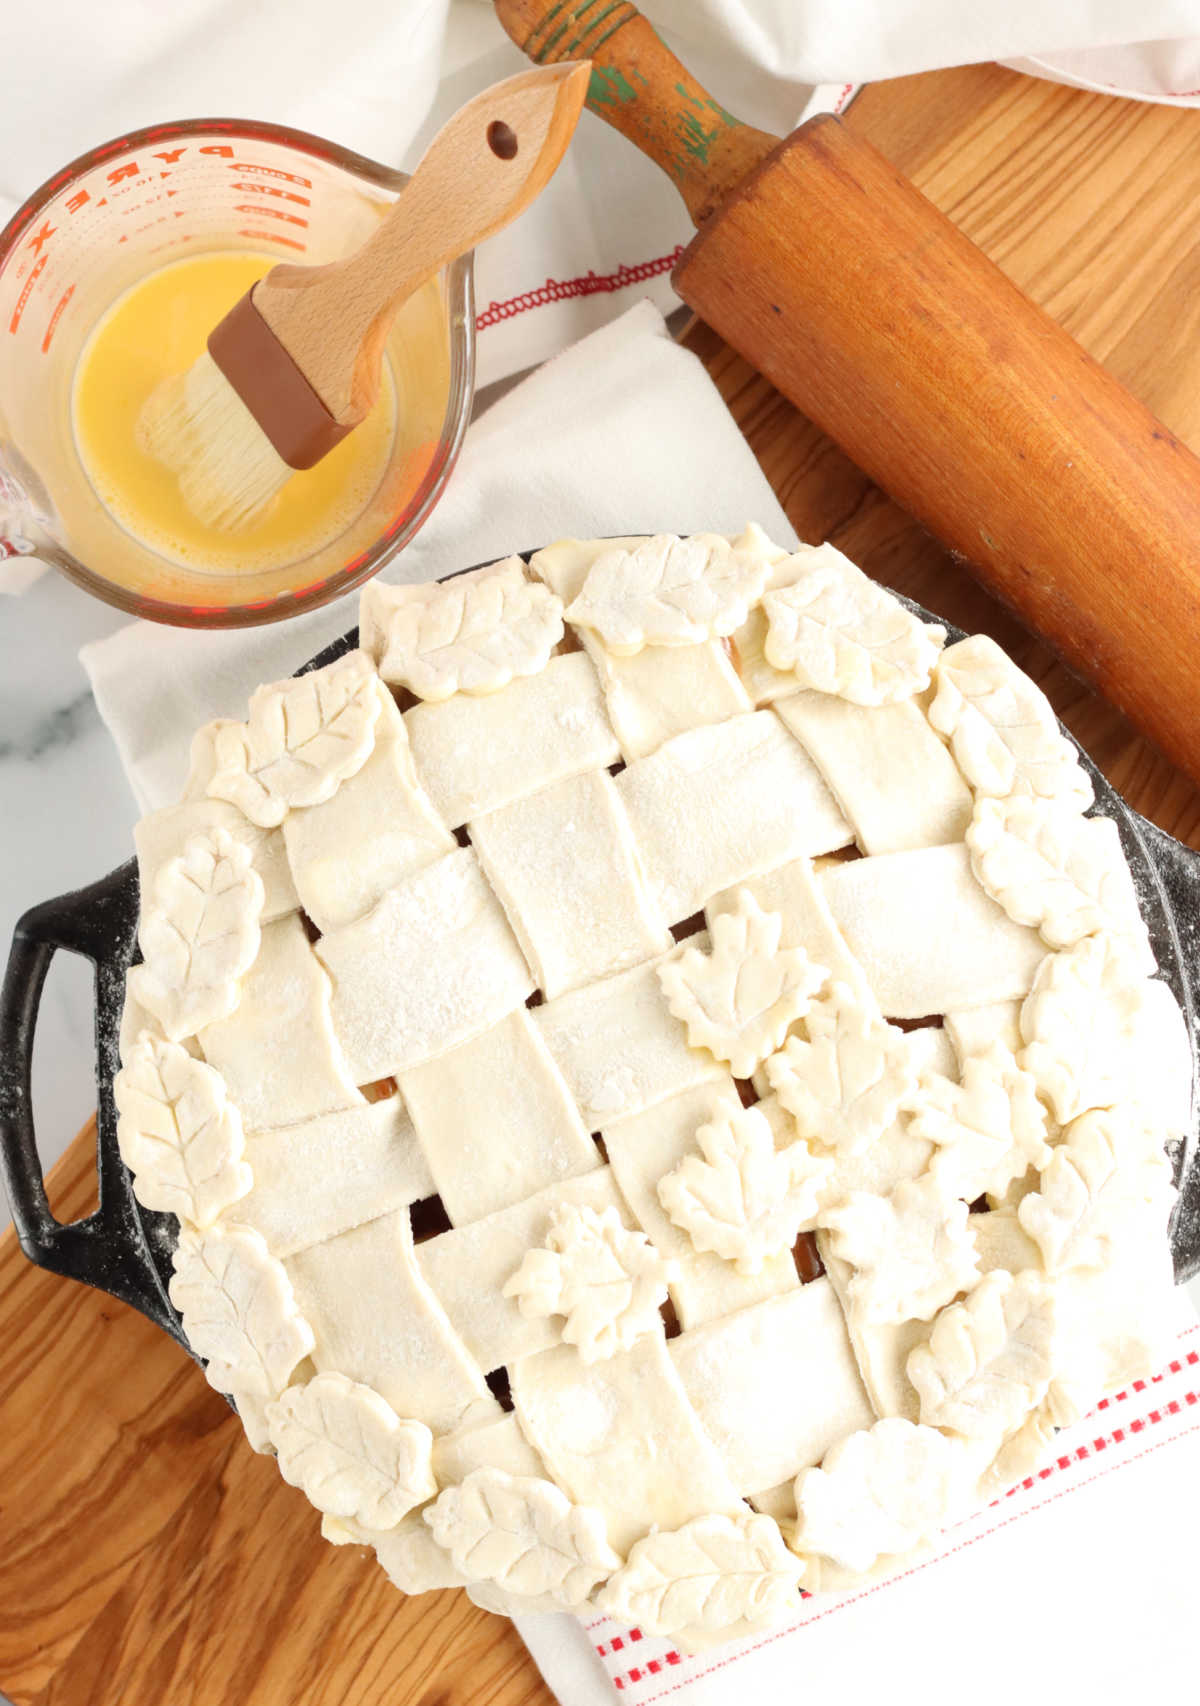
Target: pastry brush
[{"x": 297, "y": 363}]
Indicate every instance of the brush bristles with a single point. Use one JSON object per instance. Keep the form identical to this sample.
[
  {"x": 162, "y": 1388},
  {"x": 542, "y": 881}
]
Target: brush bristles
[{"x": 197, "y": 426}]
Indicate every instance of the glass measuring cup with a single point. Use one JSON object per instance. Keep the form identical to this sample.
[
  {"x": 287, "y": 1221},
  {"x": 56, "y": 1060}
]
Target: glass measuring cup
[{"x": 134, "y": 205}]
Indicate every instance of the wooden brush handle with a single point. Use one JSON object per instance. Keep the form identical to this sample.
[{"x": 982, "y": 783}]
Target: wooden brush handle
[
  {"x": 483, "y": 168},
  {"x": 641, "y": 89},
  {"x": 879, "y": 319}
]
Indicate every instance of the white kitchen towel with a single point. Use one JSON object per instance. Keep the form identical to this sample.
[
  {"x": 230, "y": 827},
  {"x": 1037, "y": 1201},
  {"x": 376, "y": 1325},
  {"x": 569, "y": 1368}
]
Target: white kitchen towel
[
  {"x": 623, "y": 433},
  {"x": 1079, "y": 1584}
]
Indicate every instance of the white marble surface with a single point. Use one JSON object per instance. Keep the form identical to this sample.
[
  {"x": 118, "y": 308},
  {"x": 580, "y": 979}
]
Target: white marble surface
[{"x": 67, "y": 816}]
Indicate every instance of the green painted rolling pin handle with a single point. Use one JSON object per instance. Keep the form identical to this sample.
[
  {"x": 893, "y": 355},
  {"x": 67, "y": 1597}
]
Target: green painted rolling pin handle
[{"x": 642, "y": 90}]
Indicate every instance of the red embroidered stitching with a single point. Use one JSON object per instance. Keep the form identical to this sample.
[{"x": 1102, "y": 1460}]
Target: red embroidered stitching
[{"x": 563, "y": 290}]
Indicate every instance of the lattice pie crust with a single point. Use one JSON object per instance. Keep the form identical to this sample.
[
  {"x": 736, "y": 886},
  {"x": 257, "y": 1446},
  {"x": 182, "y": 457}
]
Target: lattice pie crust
[{"x": 539, "y": 1037}]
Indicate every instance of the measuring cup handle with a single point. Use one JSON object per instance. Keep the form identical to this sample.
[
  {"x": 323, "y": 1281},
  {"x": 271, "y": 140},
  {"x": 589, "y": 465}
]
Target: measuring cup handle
[{"x": 109, "y": 1249}]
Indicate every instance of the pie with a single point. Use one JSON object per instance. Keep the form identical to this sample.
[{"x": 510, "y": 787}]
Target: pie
[{"x": 663, "y": 1085}]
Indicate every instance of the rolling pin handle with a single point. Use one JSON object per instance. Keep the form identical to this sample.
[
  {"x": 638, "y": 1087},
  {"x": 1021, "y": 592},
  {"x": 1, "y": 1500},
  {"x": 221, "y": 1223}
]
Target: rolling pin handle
[{"x": 641, "y": 89}]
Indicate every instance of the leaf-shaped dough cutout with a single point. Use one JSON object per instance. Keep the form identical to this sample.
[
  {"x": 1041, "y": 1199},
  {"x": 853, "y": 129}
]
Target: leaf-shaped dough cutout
[
  {"x": 714, "y": 1572},
  {"x": 301, "y": 739},
  {"x": 989, "y": 1129},
  {"x": 1002, "y": 731},
  {"x": 1108, "y": 1170},
  {"x": 879, "y": 1492},
  {"x": 1049, "y": 867},
  {"x": 746, "y": 1200},
  {"x": 349, "y": 1451},
  {"x": 239, "y": 1311},
  {"x": 990, "y": 1359},
  {"x": 472, "y": 634},
  {"x": 522, "y": 1533},
  {"x": 606, "y": 1280},
  {"x": 668, "y": 591},
  {"x": 1079, "y": 1022},
  {"x": 911, "y": 1251},
  {"x": 842, "y": 633},
  {"x": 844, "y": 1082},
  {"x": 199, "y": 935},
  {"x": 739, "y": 1000},
  {"x": 178, "y": 1132}
]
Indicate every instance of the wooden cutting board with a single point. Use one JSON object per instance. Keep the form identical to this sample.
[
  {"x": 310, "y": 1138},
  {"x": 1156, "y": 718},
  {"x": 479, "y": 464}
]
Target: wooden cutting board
[{"x": 147, "y": 1557}]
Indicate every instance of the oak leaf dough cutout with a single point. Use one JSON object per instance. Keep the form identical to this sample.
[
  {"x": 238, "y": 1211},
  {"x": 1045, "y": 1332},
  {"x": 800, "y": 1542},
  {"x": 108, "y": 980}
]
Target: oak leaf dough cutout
[
  {"x": 302, "y": 738},
  {"x": 714, "y": 1572},
  {"x": 471, "y": 634},
  {"x": 239, "y": 1311},
  {"x": 1002, "y": 730},
  {"x": 178, "y": 1133},
  {"x": 523, "y": 1534},
  {"x": 199, "y": 935},
  {"x": 840, "y": 632},
  {"x": 350, "y": 1452},
  {"x": 668, "y": 591}
]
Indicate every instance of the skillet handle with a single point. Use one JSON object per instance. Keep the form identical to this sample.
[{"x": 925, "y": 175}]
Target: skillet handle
[
  {"x": 109, "y": 1249},
  {"x": 1176, "y": 869}
]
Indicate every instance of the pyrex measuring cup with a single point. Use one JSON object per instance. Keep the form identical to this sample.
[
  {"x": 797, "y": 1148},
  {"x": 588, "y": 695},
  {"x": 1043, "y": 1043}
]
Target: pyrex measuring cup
[{"x": 134, "y": 205}]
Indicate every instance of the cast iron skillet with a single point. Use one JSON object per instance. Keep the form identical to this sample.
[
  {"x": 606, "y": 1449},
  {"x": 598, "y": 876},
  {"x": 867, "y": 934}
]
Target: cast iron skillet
[{"x": 125, "y": 1249}]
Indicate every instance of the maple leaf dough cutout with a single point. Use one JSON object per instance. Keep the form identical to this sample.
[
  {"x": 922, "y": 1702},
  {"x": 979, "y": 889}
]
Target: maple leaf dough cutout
[
  {"x": 349, "y": 1451},
  {"x": 840, "y": 632},
  {"x": 668, "y": 591},
  {"x": 738, "y": 1000},
  {"x": 843, "y": 1082},
  {"x": 301, "y": 740},
  {"x": 471, "y": 634},
  {"x": 1047, "y": 867},
  {"x": 1002, "y": 730},
  {"x": 746, "y": 1201},
  {"x": 990, "y": 1129},
  {"x": 239, "y": 1311},
  {"x": 199, "y": 935},
  {"x": 606, "y": 1280},
  {"x": 990, "y": 1359},
  {"x": 911, "y": 1251},
  {"x": 713, "y": 1572},
  {"x": 178, "y": 1132},
  {"x": 1104, "y": 1176},
  {"x": 522, "y": 1533},
  {"x": 1079, "y": 1021},
  {"x": 880, "y": 1492}
]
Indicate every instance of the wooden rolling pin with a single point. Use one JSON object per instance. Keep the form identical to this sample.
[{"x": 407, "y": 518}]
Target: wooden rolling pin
[{"x": 873, "y": 313}]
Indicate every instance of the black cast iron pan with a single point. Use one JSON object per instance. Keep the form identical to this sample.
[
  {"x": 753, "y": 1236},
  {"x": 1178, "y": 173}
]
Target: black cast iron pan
[{"x": 125, "y": 1249}]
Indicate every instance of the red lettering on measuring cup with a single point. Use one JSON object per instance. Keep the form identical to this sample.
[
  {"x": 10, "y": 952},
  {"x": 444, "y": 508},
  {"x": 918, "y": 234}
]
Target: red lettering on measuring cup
[
  {"x": 270, "y": 213},
  {"x": 170, "y": 155},
  {"x": 271, "y": 237},
  {"x": 130, "y": 169},
  {"x": 273, "y": 190},
  {"x": 57, "y": 315},
  {"x": 221, "y": 148},
  {"x": 271, "y": 172},
  {"x": 27, "y": 291},
  {"x": 40, "y": 238},
  {"x": 78, "y": 200}
]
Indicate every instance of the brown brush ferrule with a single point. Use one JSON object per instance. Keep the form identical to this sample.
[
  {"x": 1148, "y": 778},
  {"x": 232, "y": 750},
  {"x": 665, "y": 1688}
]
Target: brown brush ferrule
[{"x": 273, "y": 388}]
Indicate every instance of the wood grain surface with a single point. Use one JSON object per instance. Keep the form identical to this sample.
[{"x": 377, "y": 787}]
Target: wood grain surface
[{"x": 147, "y": 1557}]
